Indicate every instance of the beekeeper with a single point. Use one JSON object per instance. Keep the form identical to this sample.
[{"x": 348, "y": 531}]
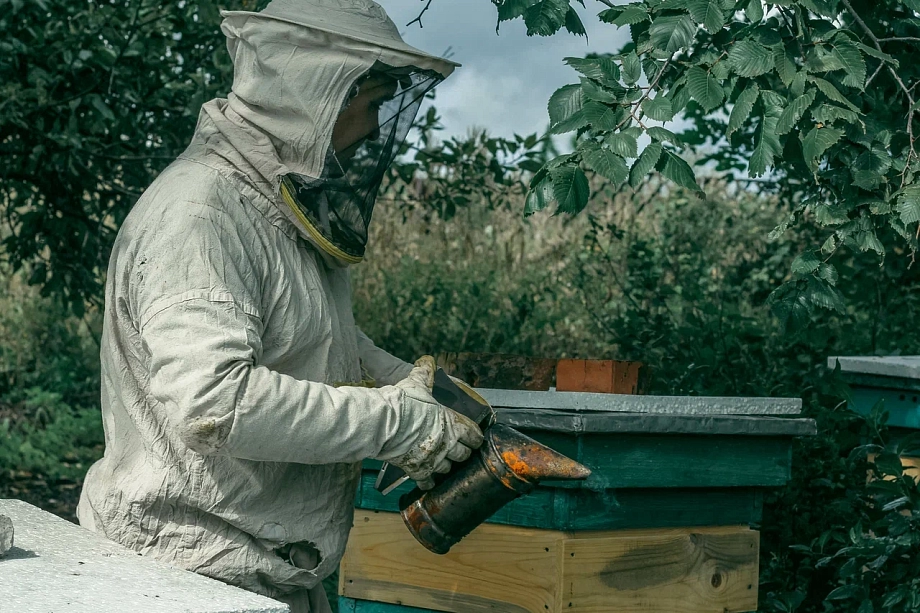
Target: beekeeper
[{"x": 236, "y": 389}]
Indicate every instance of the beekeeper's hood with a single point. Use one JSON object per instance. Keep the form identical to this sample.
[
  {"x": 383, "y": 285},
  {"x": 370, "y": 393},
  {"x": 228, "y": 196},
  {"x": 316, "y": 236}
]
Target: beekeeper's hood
[{"x": 297, "y": 65}]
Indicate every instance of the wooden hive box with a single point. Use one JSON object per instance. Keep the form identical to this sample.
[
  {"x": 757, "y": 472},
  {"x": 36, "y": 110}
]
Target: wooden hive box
[
  {"x": 896, "y": 380},
  {"x": 664, "y": 524},
  {"x": 524, "y": 570},
  {"x": 653, "y": 465}
]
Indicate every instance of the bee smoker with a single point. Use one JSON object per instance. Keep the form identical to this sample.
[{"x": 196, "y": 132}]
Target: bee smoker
[{"x": 506, "y": 466}]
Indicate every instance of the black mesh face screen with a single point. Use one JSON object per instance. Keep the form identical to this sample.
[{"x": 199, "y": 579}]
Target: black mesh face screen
[{"x": 339, "y": 205}]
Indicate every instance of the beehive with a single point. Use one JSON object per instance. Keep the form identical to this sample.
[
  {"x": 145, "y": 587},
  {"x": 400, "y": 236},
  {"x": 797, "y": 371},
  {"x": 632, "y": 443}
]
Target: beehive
[{"x": 667, "y": 522}]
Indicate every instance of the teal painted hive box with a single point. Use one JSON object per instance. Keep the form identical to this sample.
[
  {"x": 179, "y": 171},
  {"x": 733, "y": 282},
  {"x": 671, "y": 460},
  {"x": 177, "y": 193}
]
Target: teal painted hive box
[
  {"x": 657, "y": 461},
  {"x": 896, "y": 380},
  {"x": 672, "y": 508}
]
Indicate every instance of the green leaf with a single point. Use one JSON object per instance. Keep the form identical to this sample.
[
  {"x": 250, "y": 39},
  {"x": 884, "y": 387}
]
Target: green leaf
[
  {"x": 512, "y": 9},
  {"x": 908, "y": 207},
  {"x": 767, "y": 142},
  {"x": 598, "y": 93},
  {"x": 823, "y": 294},
  {"x": 806, "y": 264},
  {"x": 631, "y": 15},
  {"x": 632, "y": 68},
  {"x": 791, "y": 305},
  {"x": 828, "y": 113},
  {"x": 822, "y": 59},
  {"x": 754, "y": 11},
  {"x": 570, "y": 187},
  {"x": 546, "y": 17},
  {"x": 600, "y": 116},
  {"x": 673, "y": 167},
  {"x": 658, "y": 108},
  {"x": 538, "y": 197},
  {"x": 601, "y": 69},
  {"x": 573, "y": 23},
  {"x": 868, "y": 240},
  {"x": 644, "y": 164},
  {"x": 845, "y": 592},
  {"x": 785, "y": 65},
  {"x": 750, "y": 59},
  {"x": 663, "y": 135},
  {"x": 704, "y": 88},
  {"x": 708, "y": 13},
  {"x": 821, "y": 7},
  {"x": 606, "y": 163},
  {"x": 794, "y": 112},
  {"x": 853, "y": 63},
  {"x": 816, "y": 142},
  {"x": 565, "y": 102},
  {"x": 797, "y": 87},
  {"x": 742, "y": 109},
  {"x": 879, "y": 55},
  {"x": 671, "y": 33},
  {"x": 625, "y": 143},
  {"x": 99, "y": 104},
  {"x": 679, "y": 97},
  {"x": 832, "y": 92}
]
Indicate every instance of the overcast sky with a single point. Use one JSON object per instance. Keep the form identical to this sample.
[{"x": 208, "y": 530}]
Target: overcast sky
[{"x": 506, "y": 79}]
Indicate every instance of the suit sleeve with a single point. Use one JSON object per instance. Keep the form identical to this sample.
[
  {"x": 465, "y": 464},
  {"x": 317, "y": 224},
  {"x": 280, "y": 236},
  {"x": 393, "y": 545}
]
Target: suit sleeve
[{"x": 385, "y": 368}]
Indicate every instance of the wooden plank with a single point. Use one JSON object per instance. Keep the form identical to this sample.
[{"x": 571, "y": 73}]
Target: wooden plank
[
  {"x": 350, "y": 605},
  {"x": 496, "y": 568},
  {"x": 581, "y": 509},
  {"x": 706, "y": 570}
]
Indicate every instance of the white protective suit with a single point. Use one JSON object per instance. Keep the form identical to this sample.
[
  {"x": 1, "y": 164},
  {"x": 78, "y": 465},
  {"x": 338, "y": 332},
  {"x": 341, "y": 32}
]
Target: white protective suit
[{"x": 226, "y": 331}]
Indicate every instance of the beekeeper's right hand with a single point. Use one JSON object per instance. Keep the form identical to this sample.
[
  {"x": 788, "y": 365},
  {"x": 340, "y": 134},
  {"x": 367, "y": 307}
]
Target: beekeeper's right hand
[{"x": 435, "y": 434}]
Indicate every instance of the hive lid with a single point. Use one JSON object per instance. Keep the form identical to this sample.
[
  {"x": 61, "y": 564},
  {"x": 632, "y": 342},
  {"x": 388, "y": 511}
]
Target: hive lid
[
  {"x": 58, "y": 566},
  {"x": 650, "y": 423},
  {"x": 901, "y": 367},
  {"x": 586, "y": 402}
]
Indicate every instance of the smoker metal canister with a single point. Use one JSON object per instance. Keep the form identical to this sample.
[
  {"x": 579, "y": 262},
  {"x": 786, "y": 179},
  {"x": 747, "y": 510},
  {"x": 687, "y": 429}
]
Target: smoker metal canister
[{"x": 507, "y": 465}]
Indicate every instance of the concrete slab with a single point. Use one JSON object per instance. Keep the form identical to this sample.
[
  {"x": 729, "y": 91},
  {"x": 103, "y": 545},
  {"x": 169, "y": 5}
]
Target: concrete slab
[
  {"x": 6, "y": 534},
  {"x": 902, "y": 367},
  {"x": 587, "y": 402},
  {"x": 59, "y": 567}
]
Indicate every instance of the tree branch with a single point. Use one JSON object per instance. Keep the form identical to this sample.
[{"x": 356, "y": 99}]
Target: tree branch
[
  {"x": 900, "y": 39},
  {"x": 875, "y": 74},
  {"x": 638, "y": 105},
  {"x": 910, "y": 99},
  {"x": 419, "y": 18}
]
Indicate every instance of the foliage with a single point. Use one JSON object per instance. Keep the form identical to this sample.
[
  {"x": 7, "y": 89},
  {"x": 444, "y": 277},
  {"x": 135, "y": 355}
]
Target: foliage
[
  {"x": 50, "y": 426},
  {"x": 678, "y": 283},
  {"x": 815, "y": 95},
  {"x": 866, "y": 558},
  {"x": 46, "y": 436},
  {"x": 455, "y": 174},
  {"x": 97, "y": 98}
]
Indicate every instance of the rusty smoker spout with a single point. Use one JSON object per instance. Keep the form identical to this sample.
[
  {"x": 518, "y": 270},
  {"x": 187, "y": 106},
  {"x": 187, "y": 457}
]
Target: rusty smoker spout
[{"x": 508, "y": 465}]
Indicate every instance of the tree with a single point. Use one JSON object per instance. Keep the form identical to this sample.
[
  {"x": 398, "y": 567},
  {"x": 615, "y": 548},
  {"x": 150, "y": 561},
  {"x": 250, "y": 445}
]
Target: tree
[
  {"x": 815, "y": 97},
  {"x": 97, "y": 98}
]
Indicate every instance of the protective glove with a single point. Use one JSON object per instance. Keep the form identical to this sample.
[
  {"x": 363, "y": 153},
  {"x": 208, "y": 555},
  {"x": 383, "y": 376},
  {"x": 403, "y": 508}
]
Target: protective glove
[{"x": 439, "y": 435}]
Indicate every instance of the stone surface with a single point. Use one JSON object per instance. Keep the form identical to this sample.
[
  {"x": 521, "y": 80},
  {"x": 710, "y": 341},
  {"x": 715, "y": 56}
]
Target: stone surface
[
  {"x": 6, "y": 534},
  {"x": 903, "y": 367},
  {"x": 59, "y": 567},
  {"x": 623, "y": 403}
]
